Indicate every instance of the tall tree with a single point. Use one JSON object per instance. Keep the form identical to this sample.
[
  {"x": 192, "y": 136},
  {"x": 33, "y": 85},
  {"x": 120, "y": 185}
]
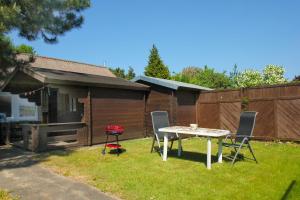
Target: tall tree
[
  {"x": 274, "y": 74},
  {"x": 205, "y": 76},
  {"x": 249, "y": 78},
  {"x": 233, "y": 76},
  {"x": 25, "y": 49},
  {"x": 130, "y": 74},
  {"x": 8, "y": 58},
  {"x": 119, "y": 72},
  {"x": 33, "y": 19},
  {"x": 297, "y": 78},
  {"x": 156, "y": 67}
]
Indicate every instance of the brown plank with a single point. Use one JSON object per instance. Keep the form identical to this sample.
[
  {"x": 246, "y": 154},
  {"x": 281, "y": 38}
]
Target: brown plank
[
  {"x": 159, "y": 98},
  {"x": 230, "y": 115},
  {"x": 186, "y": 108},
  {"x": 209, "y": 115},
  {"x": 288, "y": 119},
  {"x": 264, "y": 127},
  {"x": 117, "y": 106},
  {"x": 62, "y": 138}
]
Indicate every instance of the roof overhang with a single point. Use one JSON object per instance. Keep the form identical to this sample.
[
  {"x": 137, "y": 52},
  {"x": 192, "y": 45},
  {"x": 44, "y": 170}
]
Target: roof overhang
[
  {"x": 174, "y": 85},
  {"x": 107, "y": 82}
]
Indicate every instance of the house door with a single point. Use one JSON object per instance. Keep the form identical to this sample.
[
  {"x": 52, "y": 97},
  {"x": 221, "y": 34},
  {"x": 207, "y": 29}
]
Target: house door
[{"x": 52, "y": 106}]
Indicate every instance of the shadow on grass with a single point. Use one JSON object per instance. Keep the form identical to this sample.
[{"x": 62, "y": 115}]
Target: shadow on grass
[
  {"x": 196, "y": 156},
  {"x": 288, "y": 191},
  {"x": 14, "y": 157},
  {"x": 202, "y": 157},
  {"x": 115, "y": 151}
]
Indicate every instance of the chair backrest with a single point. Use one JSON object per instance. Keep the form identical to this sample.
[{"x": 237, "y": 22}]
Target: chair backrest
[
  {"x": 160, "y": 119},
  {"x": 246, "y": 126}
]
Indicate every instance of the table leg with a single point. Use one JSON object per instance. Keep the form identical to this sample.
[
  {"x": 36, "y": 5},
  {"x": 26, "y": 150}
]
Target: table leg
[
  {"x": 208, "y": 153},
  {"x": 220, "y": 151},
  {"x": 165, "y": 152},
  {"x": 179, "y": 145}
]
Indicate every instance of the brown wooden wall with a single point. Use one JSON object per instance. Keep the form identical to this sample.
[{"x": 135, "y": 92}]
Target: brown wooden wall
[
  {"x": 278, "y": 110},
  {"x": 159, "y": 98},
  {"x": 116, "y": 106},
  {"x": 186, "y": 107},
  {"x": 180, "y": 105}
]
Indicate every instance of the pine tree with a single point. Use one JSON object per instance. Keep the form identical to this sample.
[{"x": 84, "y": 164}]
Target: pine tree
[
  {"x": 46, "y": 19},
  {"x": 23, "y": 48},
  {"x": 119, "y": 72},
  {"x": 34, "y": 19},
  {"x": 233, "y": 75},
  {"x": 297, "y": 78},
  {"x": 156, "y": 67},
  {"x": 8, "y": 59},
  {"x": 130, "y": 74}
]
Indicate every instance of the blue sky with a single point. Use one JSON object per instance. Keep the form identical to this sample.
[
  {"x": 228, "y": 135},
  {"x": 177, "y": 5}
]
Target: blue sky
[{"x": 219, "y": 34}]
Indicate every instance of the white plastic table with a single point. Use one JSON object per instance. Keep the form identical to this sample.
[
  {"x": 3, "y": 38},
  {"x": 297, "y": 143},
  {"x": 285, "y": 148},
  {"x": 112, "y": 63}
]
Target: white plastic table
[{"x": 202, "y": 132}]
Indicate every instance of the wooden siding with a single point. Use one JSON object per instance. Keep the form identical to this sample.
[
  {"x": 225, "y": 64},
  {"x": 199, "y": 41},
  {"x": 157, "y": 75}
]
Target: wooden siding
[
  {"x": 264, "y": 125},
  {"x": 186, "y": 107},
  {"x": 289, "y": 119},
  {"x": 208, "y": 115},
  {"x": 115, "y": 106},
  {"x": 159, "y": 98},
  {"x": 230, "y": 116}
]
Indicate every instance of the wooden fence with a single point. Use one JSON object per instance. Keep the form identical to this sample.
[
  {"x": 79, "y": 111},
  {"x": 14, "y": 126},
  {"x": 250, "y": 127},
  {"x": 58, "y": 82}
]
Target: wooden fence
[{"x": 278, "y": 110}]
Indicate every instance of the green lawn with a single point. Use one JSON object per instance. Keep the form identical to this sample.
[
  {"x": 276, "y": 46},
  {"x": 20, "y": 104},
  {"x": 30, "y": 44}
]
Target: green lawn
[
  {"x": 137, "y": 174},
  {"x": 4, "y": 195}
]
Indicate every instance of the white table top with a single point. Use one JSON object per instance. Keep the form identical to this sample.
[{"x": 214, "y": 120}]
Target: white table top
[{"x": 206, "y": 132}]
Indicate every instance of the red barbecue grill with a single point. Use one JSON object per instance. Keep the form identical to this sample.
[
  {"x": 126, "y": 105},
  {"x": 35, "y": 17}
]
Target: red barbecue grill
[{"x": 113, "y": 130}]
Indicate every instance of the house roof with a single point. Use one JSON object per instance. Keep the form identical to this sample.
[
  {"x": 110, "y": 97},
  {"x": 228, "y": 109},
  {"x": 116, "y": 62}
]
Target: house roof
[
  {"x": 51, "y": 76},
  {"x": 175, "y": 85},
  {"x": 67, "y": 65}
]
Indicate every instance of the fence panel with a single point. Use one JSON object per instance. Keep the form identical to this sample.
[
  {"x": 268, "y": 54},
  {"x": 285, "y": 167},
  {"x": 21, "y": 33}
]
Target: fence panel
[
  {"x": 278, "y": 110},
  {"x": 288, "y": 119},
  {"x": 230, "y": 116},
  {"x": 209, "y": 116},
  {"x": 264, "y": 126}
]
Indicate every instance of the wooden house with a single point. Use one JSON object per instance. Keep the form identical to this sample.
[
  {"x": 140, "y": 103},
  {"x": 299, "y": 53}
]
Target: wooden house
[
  {"x": 178, "y": 98},
  {"x": 67, "y": 91}
]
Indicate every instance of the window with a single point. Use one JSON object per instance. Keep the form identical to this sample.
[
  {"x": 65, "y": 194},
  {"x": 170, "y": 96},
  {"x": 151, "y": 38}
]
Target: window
[
  {"x": 27, "y": 111},
  {"x": 73, "y": 104}
]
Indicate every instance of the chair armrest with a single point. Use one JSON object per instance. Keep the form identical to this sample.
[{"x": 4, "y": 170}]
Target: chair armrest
[
  {"x": 232, "y": 136},
  {"x": 229, "y": 136},
  {"x": 243, "y": 136}
]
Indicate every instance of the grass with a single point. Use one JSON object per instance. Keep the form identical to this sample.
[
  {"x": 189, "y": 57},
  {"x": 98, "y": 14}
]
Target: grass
[
  {"x": 4, "y": 195},
  {"x": 137, "y": 174}
]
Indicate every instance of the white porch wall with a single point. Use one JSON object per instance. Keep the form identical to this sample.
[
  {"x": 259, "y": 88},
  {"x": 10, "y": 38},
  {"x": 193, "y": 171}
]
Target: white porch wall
[{"x": 16, "y": 103}]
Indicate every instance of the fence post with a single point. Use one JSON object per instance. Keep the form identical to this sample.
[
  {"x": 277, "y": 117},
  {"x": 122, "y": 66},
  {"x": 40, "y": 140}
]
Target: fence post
[
  {"x": 26, "y": 130},
  {"x": 7, "y": 133},
  {"x": 275, "y": 101},
  {"x": 219, "y": 108},
  {"x": 89, "y": 119}
]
